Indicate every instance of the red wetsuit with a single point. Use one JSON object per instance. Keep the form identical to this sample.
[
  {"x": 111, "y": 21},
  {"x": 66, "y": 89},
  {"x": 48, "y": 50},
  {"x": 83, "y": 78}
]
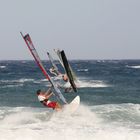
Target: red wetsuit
[
  {"x": 46, "y": 102},
  {"x": 50, "y": 104}
]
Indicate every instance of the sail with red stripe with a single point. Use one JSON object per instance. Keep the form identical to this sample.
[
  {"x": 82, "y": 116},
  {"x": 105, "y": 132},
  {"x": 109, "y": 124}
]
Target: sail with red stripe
[{"x": 33, "y": 51}]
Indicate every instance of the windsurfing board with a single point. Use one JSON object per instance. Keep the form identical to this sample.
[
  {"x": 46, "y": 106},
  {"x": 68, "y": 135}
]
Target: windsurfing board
[{"x": 72, "y": 106}]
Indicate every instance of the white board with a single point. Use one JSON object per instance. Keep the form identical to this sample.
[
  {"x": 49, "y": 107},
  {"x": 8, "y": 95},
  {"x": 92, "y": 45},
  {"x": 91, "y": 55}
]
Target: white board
[{"x": 72, "y": 106}]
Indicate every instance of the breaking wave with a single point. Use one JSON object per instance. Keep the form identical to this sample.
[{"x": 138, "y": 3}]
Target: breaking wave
[
  {"x": 89, "y": 84},
  {"x": 108, "y": 122},
  {"x": 82, "y": 70},
  {"x": 135, "y": 67},
  {"x": 2, "y": 67}
]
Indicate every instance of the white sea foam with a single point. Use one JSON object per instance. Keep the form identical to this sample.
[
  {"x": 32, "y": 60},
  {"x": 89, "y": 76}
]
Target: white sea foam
[
  {"x": 11, "y": 86},
  {"x": 22, "y": 80},
  {"x": 14, "y": 83},
  {"x": 2, "y": 67},
  {"x": 89, "y": 83},
  {"x": 87, "y": 123},
  {"x": 92, "y": 83},
  {"x": 135, "y": 67},
  {"x": 44, "y": 80},
  {"x": 82, "y": 70}
]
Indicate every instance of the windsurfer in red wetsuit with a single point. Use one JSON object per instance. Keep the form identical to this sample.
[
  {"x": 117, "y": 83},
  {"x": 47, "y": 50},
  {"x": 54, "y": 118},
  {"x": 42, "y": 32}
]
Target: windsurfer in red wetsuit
[{"x": 43, "y": 97}]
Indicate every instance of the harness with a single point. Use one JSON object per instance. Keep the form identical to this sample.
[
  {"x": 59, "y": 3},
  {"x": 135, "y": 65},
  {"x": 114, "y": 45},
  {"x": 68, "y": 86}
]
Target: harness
[{"x": 47, "y": 101}]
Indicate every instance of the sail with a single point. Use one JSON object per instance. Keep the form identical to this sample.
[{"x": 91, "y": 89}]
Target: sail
[
  {"x": 68, "y": 70},
  {"x": 33, "y": 51},
  {"x": 53, "y": 64},
  {"x": 58, "y": 52}
]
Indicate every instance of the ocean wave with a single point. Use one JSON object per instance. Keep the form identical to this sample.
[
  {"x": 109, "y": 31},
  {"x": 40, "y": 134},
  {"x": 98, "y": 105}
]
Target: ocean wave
[
  {"x": 134, "y": 67},
  {"x": 22, "y": 80},
  {"x": 82, "y": 70},
  {"x": 2, "y": 67},
  {"x": 25, "y": 80},
  {"x": 11, "y": 86},
  {"x": 14, "y": 83},
  {"x": 87, "y": 122},
  {"x": 127, "y": 113},
  {"x": 44, "y": 80},
  {"x": 89, "y": 84}
]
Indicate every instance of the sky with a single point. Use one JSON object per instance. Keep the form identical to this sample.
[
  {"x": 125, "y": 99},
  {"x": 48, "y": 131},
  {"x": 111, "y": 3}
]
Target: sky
[{"x": 85, "y": 29}]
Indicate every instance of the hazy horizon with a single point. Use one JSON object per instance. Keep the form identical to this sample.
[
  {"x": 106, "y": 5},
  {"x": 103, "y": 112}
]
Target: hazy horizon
[
  {"x": 32, "y": 59},
  {"x": 86, "y": 30}
]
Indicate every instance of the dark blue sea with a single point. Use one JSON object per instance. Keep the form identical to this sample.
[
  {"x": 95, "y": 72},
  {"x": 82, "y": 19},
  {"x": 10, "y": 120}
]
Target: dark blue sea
[{"x": 109, "y": 110}]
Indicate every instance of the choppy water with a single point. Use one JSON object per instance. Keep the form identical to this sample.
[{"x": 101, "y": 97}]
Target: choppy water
[{"x": 109, "y": 110}]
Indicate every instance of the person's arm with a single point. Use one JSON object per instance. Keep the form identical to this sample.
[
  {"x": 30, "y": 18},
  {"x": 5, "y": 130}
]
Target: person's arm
[{"x": 48, "y": 95}]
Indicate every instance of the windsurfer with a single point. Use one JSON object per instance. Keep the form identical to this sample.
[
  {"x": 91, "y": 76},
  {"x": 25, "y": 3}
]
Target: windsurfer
[
  {"x": 43, "y": 97},
  {"x": 54, "y": 71},
  {"x": 68, "y": 89},
  {"x": 65, "y": 77}
]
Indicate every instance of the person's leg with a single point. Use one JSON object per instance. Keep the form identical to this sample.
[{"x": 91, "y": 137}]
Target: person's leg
[
  {"x": 58, "y": 106},
  {"x": 54, "y": 105}
]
